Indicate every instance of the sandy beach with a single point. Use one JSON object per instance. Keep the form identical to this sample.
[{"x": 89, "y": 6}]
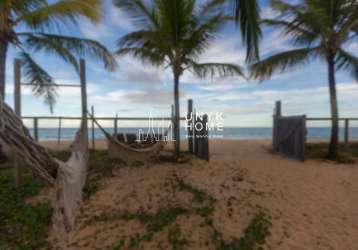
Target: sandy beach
[{"x": 311, "y": 205}]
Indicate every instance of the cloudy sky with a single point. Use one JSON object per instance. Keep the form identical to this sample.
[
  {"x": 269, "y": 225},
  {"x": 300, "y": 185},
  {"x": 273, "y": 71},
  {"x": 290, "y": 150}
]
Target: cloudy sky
[{"x": 137, "y": 89}]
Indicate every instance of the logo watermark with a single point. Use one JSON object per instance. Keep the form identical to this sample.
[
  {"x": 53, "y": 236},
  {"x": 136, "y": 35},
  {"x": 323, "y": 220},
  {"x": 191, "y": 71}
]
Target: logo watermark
[{"x": 210, "y": 125}]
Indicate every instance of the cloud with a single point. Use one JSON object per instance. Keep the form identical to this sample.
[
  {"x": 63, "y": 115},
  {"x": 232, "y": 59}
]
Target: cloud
[
  {"x": 155, "y": 97},
  {"x": 113, "y": 22},
  {"x": 139, "y": 74},
  {"x": 268, "y": 13},
  {"x": 254, "y": 107}
]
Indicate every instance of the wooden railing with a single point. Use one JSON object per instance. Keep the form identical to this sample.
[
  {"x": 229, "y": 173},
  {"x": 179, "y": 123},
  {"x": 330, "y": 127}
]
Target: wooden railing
[
  {"x": 346, "y": 120},
  {"x": 346, "y": 124},
  {"x": 115, "y": 121}
]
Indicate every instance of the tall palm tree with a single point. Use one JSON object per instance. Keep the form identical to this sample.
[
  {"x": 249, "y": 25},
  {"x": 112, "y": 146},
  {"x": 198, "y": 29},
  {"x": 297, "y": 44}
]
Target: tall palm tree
[
  {"x": 174, "y": 33},
  {"x": 323, "y": 29},
  {"x": 26, "y": 25}
]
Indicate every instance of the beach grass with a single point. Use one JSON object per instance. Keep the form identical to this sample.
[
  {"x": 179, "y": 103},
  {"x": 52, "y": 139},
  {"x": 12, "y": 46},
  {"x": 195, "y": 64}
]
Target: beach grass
[
  {"x": 165, "y": 220},
  {"x": 23, "y": 225},
  {"x": 101, "y": 165},
  {"x": 347, "y": 153}
]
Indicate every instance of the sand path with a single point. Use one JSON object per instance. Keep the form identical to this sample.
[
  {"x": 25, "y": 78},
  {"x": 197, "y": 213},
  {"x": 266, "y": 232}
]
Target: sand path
[{"x": 312, "y": 205}]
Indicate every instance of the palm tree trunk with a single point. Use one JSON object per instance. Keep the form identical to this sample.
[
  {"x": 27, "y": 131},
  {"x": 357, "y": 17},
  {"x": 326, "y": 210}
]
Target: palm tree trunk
[
  {"x": 176, "y": 116},
  {"x": 332, "y": 153},
  {"x": 3, "y": 53}
]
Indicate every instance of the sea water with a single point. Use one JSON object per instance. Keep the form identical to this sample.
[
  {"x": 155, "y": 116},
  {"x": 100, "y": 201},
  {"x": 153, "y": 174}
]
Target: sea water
[{"x": 245, "y": 133}]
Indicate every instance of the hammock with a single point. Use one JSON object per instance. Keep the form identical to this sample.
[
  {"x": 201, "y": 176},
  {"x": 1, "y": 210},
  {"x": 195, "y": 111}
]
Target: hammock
[
  {"x": 118, "y": 149},
  {"x": 68, "y": 178},
  {"x": 71, "y": 179}
]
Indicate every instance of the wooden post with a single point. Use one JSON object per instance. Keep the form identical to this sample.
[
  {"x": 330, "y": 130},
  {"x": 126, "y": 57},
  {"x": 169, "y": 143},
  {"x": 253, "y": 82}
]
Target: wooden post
[
  {"x": 83, "y": 93},
  {"x": 17, "y": 87},
  {"x": 276, "y": 116},
  {"x": 196, "y": 133},
  {"x": 278, "y": 109},
  {"x": 83, "y": 88},
  {"x": 17, "y": 106},
  {"x": 346, "y": 131},
  {"x": 172, "y": 124},
  {"x": 205, "y": 139},
  {"x": 36, "y": 129},
  {"x": 116, "y": 124},
  {"x": 190, "y": 126},
  {"x": 59, "y": 130},
  {"x": 93, "y": 135}
]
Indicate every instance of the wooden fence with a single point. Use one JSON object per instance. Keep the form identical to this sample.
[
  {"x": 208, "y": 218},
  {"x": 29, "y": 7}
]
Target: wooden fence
[
  {"x": 115, "y": 121},
  {"x": 198, "y": 134},
  {"x": 346, "y": 121},
  {"x": 297, "y": 125},
  {"x": 289, "y": 134}
]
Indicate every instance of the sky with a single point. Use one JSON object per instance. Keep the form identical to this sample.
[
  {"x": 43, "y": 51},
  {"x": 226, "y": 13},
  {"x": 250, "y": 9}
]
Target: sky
[{"x": 137, "y": 89}]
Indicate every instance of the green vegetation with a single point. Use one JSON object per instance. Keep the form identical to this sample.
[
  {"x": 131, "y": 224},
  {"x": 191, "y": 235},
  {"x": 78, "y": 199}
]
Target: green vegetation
[
  {"x": 156, "y": 222},
  {"x": 199, "y": 195},
  {"x": 23, "y": 226},
  {"x": 176, "y": 239},
  {"x": 153, "y": 223},
  {"x": 203, "y": 205},
  {"x": 255, "y": 233},
  {"x": 100, "y": 165},
  {"x": 254, "y": 237},
  {"x": 347, "y": 154}
]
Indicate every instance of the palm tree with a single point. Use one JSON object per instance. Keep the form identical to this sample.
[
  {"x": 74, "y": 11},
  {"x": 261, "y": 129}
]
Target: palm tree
[
  {"x": 323, "y": 29},
  {"x": 25, "y": 25},
  {"x": 174, "y": 33}
]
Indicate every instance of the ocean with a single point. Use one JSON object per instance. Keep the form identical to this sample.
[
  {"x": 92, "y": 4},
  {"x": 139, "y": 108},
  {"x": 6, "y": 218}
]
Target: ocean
[{"x": 245, "y": 133}]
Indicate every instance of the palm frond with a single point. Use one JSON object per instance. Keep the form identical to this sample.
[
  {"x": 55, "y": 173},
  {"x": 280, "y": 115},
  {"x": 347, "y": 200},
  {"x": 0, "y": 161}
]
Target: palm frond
[
  {"x": 68, "y": 48},
  {"x": 305, "y": 15},
  {"x": 247, "y": 15},
  {"x": 137, "y": 38},
  {"x": 50, "y": 15},
  {"x": 351, "y": 25},
  {"x": 141, "y": 13},
  {"x": 297, "y": 31},
  {"x": 20, "y": 7},
  {"x": 203, "y": 70},
  {"x": 41, "y": 82},
  {"x": 347, "y": 61},
  {"x": 282, "y": 61},
  {"x": 211, "y": 7},
  {"x": 153, "y": 56},
  {"x": 199, "y": 39},
  {"x": 40, "y": 43}
]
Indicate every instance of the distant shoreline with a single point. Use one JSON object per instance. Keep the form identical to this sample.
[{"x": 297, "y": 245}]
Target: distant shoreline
[{"x": 229, "y": 133}]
